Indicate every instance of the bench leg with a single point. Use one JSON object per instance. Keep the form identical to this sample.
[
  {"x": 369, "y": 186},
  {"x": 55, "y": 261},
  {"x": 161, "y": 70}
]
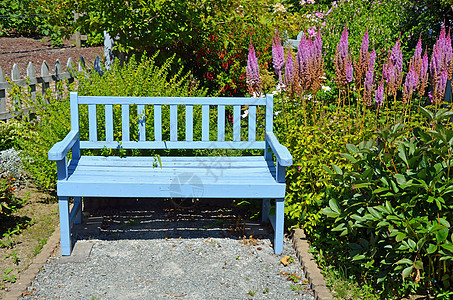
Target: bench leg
[
  {"x": 78, "y": 215},
  {"x": 279, "y": 225},
  {"x": 265, "y": 210},
  {"x": 65, "y": 229}
]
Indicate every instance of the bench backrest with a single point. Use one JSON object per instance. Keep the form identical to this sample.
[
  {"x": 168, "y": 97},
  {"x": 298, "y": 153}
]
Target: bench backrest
[{"x": 135, "y": 109}]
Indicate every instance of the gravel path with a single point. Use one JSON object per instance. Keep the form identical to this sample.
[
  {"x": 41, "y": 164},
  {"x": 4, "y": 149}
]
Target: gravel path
[{"x": 163, "y": 253}]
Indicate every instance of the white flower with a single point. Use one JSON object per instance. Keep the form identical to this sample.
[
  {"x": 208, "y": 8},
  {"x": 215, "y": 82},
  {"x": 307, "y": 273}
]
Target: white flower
[
  {"x": 326, "y": 88},
  {"x": 245, "y": 114},
  {"x": 277, "y": 112},
  {"x": 279, "y": 8}
]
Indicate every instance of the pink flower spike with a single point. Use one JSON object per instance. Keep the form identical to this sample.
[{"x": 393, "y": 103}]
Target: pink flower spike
[{"x": 379, "y": 94}]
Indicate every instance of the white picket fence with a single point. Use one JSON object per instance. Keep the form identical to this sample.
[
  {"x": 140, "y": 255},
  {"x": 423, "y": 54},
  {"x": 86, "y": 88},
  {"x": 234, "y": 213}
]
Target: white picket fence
[{"x": 46, "y": 83}]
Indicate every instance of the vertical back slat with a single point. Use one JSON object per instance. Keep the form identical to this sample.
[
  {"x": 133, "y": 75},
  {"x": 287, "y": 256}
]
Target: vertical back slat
[
  {"x": 141, "y": 122},
  {"x": 158, "y": 122},
  {"x": 108, "y": 123},
  {"x": 73, "y": 102},
  {"x": 92, "y": 123},
  {"x": 221, "y": 123},
  {"x": 189, "y": 122},
  {"x": 236, "y": 123},
  {"x": 173, "y": 122},
  {"x": 269, "y": 112},
  {"x": 252, "y": 123},
  {"x": 205, "y": 123},
  {"x": 125, "y": 122}
]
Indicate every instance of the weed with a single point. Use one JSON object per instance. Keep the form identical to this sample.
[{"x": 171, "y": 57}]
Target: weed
[
  {"x": 14, "y": 257},
  {"x": 266, "y": 290},
  {"x": 11, "y": 278},
  {"x": 39, "y": 246},
  {"x": 252, "y": 293}
]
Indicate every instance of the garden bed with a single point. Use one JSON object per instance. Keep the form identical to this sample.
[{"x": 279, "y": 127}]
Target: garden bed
[{"x": 29, "y": 228}]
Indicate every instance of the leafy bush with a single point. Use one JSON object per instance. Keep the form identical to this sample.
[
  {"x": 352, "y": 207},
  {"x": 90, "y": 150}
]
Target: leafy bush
[
  {"x": 10, "y": 134},
  {"x": 40, "y": 17},
  {"x": 394, "y": 207}
]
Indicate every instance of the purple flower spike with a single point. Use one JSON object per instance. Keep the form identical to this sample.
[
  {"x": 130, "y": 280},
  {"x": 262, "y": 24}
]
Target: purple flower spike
[
  {"x": 278, "y": 56},
  {"x": 342, "y": 59},
  {"x": 397, "y": 59},
  {"x": 372, "y": 59},
  {"x": 368, "y": 87},
  {"x": 349, "y": 73},
  {"x": 410, "y": 84},
  {"x": 289, "y": 69},
  {"x": 379, "y": 94},
  {"x": 440, "y": 88},
  {"x": 253, "y": 72}
]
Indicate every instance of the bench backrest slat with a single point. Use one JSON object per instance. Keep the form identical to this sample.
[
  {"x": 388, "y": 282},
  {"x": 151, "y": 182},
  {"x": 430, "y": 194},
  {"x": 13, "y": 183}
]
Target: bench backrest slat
[
  {"x": 252, "y": 123},
  {"x": 173, "y": 122},
  {"x": 109, "y": 123},
  {"x": 221, "y": 123},
  {"x": 158, "y": 122},
  {"x": 168, "y": 115},
  {"x": 141, "y": 122},
  {"x": 236, "y": 123},
  {"x": 125, "y": 123},
  {"x": 92, "y": 122},
  {"x": 189, "y": 123},
  {"x": 205, "y": 122}
]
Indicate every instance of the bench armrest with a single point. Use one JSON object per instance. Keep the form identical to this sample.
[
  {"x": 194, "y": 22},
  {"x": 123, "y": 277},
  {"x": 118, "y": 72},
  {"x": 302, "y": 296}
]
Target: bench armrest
[
  {"x": 282, "y": 154},
  {"x": 60, "y": 149}
]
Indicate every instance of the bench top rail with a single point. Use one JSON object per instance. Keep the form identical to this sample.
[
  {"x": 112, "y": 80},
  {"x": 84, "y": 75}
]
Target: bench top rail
[{"x": 173, "y": 122}]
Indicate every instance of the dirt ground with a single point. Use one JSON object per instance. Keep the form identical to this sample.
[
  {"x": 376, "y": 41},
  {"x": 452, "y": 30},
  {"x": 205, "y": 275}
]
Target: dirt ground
[{"x": 21, "y": 51}]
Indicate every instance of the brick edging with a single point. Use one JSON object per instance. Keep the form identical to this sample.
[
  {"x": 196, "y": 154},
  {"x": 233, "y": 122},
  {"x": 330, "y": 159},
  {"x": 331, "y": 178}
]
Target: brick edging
[
  {"x": 311, "y": 270},
  {"x": 26, "y": 278}
]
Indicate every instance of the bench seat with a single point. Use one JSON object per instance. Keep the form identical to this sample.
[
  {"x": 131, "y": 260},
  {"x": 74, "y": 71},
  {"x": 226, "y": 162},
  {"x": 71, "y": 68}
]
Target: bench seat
[{"x": 179, "y": 177}]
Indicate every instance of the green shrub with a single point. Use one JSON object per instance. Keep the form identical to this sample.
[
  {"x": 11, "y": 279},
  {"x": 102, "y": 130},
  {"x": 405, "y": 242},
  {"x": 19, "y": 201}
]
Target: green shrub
[{"x": 391, "y": 212}]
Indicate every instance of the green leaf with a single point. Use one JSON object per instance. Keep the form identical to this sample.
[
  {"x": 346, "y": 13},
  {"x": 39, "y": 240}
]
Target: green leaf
[
  {"x": 333, "y": 204},
  {"x": 400, "y": 236},
  {"x": 448, "y": 247},
  {"x": 418, "y": 264},
  {"x": 359, "y": 257},
  {"x": 406, "y": 272},
  {"x": 349, "y": 157},
  {"x": 431, "y": 249},
  {"x": 352, "y": 148},
  {"x": 428, "y": 114},
  {"x": 337, "y": 170},
  {"x": 400, "y": 179},
  {"x": 404, "y": 261},
  {"x": 374, "y": 213},
  {"x": 442, "y": 235}
]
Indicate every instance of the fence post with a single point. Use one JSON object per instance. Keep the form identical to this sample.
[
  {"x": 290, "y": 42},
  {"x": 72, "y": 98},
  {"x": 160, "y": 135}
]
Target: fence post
[
  {"x": 45, "y": 77},
  {"x": 15, "y": 76},
  {"x": 57, "y": 78},
  {"x": 31, "y": 74},
  {"x": 3, "y": 85}
]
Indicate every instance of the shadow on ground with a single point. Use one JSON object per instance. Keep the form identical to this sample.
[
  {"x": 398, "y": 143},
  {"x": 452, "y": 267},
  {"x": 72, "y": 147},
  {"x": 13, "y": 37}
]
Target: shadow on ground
[{"x": 111, "y": 219}]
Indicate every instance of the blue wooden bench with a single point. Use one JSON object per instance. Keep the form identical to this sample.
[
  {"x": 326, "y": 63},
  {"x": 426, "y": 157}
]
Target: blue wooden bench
[{"x": 240, "y": 177}]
